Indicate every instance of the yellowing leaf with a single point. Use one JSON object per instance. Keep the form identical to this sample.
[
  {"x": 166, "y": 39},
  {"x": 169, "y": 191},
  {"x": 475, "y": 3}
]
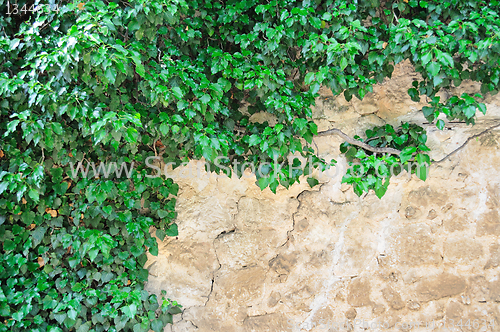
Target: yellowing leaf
[
  {"x": 53, "y": 213},
  {"x": 41, "y": 262}
]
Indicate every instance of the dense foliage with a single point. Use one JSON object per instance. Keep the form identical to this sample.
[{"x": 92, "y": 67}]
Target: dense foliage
[
  {"x": 121, "y": 81},
  {"x": 369, "y": 171}
]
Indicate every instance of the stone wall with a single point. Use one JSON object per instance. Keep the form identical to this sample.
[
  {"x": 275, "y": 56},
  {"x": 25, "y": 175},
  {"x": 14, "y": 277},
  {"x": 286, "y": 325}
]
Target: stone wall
[{"x": 309, "y": 259}]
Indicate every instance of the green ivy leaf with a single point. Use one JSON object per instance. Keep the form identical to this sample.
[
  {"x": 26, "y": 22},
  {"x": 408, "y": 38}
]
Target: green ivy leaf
[
  {"x": 254, "y": 140},
  {"x": 111, "y": 73},
  {"x": 177, "y": 92},
  {"x": 423, "y": 161},
  {"x": 131, "y": 135},
  {"x": 172, "y": 230},
  {"x": 3, "y": 186},
  {"x": 433, "y": 68},
  {"x": 157, "y": 325},
  {"x": 440, "y": 124},
  {"x": 381, "y": 189},
  {"x": 309, "y": 78},
  {"x": 446, "y": 59},
  {"x": 153, "y": 250},
  {"x": 428, "y": 111},
  {"x": 107, "y": 209},
  {"x": 34, "y": 195},
  {"x": 263, "y": 182},
  {"x": 482, "y": 108},
  {"x": 139, "y": 68},
  {"x": 84, "y": 327},
  {"x": 164, "y": 128},
  {"x": 162, "y": 213},
  {"x": 469, "y": 111},
  {"x": 57, "y": 128},
  {"x": 312, "y": 182},
  {"x": 37, "y": 234},
  {"x": 205, "y": 99},
  {"x": 129, "y": 310},
  {"x": 406, "y": 153},
  {"x": 426, "y": 58},
  {"x": 343, "y": 63},
  {"x": 161, "y": 234}
]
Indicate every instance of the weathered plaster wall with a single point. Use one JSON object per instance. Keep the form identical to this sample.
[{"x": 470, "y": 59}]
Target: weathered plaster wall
[{"x": 247, "y": 260}]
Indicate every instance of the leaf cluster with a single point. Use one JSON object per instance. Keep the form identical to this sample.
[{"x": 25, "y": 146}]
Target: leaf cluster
[
  {"x": 370, "y": 170},
  {"x": 74, "y": 247}
]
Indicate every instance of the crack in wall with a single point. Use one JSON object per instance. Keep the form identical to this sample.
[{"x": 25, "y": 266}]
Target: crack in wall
[
  {"x": 289, "y": 233},
  {"x": 213, "y": 273},
  {"x": 218, "y": 261},
  {"x": 219, "y": 236},
  {"x": 211, "y": 288}
]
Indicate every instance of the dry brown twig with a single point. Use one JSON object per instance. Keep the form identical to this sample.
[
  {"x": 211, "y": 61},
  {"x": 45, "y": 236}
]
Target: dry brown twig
[
  {"x": 466, "y": 142},
  {"x": 352, "y": 141}
]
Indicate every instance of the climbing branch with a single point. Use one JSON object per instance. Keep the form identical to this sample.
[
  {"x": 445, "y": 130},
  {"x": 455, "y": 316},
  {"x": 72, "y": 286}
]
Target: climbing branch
[
  {"x": 352, "y": 141},
  {"x": 466, "y": 142}
]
